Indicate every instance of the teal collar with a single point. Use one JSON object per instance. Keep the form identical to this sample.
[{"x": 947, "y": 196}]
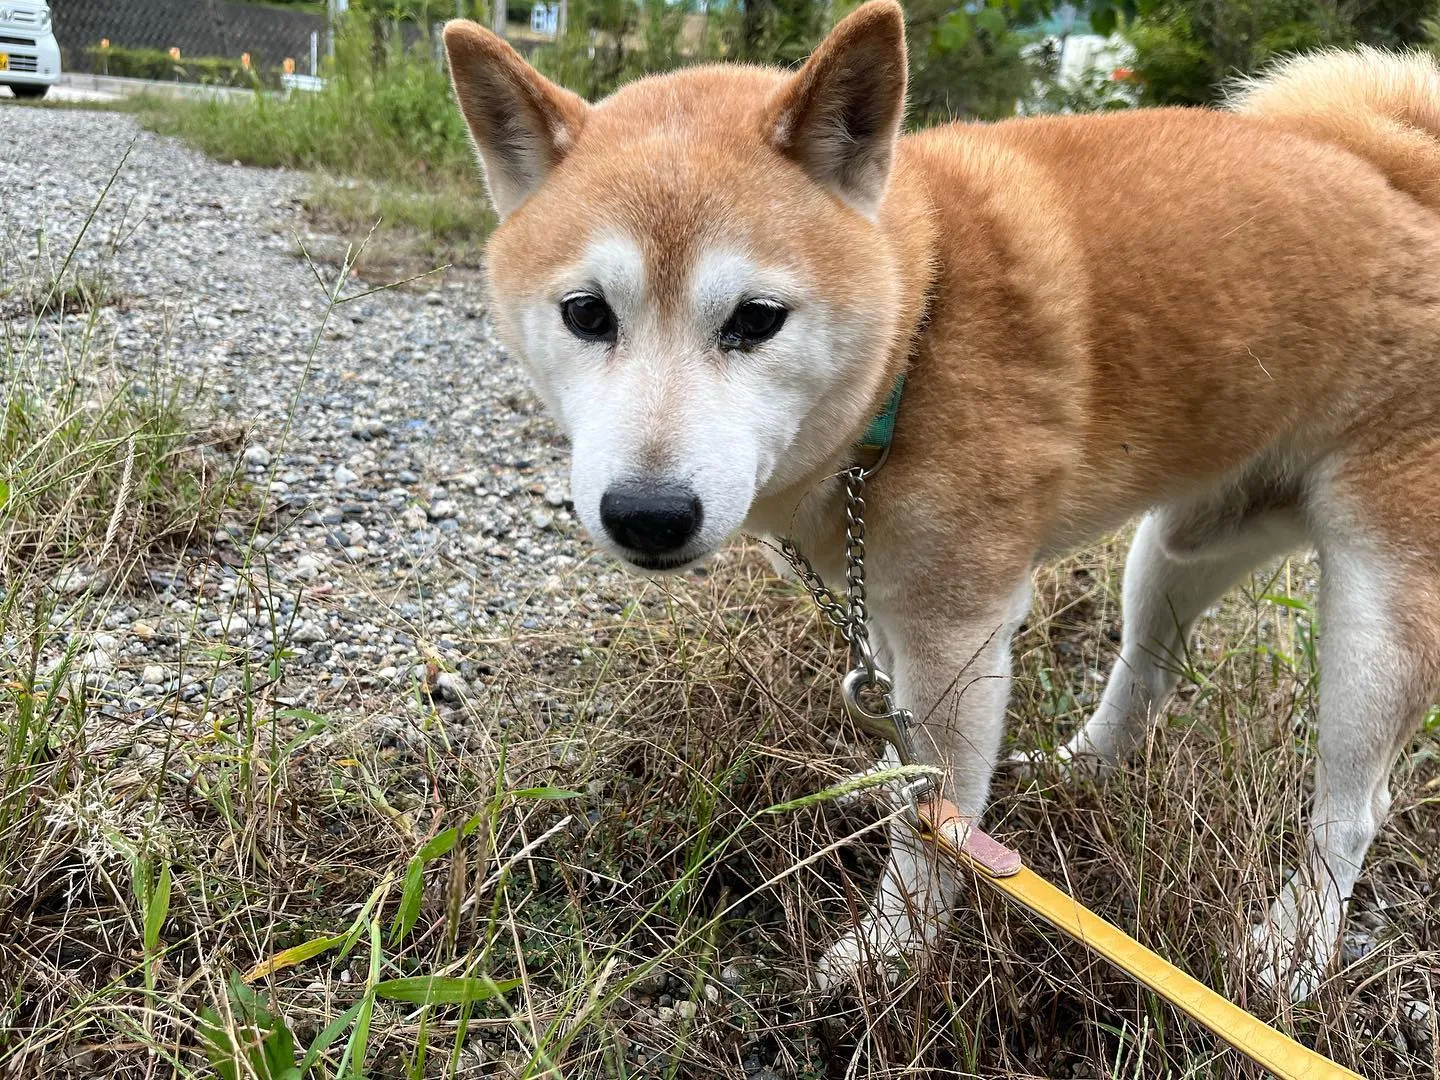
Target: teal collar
[{"x": 878, "y": 436}]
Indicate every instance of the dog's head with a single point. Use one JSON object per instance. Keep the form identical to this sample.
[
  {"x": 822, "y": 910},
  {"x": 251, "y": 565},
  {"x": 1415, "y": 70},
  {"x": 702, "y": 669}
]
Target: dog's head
[{"x": 694, "y": 271}]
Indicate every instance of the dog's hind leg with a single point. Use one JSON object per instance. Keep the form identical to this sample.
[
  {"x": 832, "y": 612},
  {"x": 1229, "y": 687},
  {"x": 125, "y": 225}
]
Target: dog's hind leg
[
  {"x": 1181, "y": 561},
  {"x": 1379, "y": 652}
]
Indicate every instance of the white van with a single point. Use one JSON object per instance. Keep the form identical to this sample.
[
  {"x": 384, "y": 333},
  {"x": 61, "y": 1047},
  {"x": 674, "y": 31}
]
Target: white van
[{"x": 29, "y": 56}]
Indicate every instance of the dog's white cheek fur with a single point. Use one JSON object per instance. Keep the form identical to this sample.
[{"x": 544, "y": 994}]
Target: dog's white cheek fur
[{"x": 722, "y": 425}]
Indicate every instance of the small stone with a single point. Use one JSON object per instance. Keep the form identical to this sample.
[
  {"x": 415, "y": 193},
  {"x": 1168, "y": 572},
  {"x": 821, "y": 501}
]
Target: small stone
[
  {"x": 76, "y": 579},
  {"x": 556, "y": 497},
  {"x": 451, "y": 687},
  {"x": 331, "y": 515},
  {"x": 256, "y": 456},
  {"x": 228, "y": 626},
  {"x": 97, "y": 661},
  {"x": 307, "y": 568},
  {"x": 142, "y": 630},
  {"x": 153, "y": 675},
  {"x": 712, "y": 994},
  {"x": 732, "y": 975},
  {"x": 1418, "y": 1022},
  {"x": 686, "y": 1010},
  {"x": 345, "y": 476},
  {"x": 307, "y": 632},
  {"x": 542, "y": 520},
  {"x": 441, "y": 509},
  {"x": 665, "y": 1014},
  {"x": 652, "y": 983},
  {"x": 414, "y": 517}
]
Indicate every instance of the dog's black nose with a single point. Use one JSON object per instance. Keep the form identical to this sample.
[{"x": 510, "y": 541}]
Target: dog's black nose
[{"x": 651, "y": 518}]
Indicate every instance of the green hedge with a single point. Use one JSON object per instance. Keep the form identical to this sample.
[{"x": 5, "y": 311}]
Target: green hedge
[{"x": 157, "y": 64}]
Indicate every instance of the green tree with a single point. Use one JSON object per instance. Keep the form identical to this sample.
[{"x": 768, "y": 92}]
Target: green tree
[
  {"x": 972, "y": 60},
  {"x": 1187, "y": 50},
  {"x": 774, "y": 31}
]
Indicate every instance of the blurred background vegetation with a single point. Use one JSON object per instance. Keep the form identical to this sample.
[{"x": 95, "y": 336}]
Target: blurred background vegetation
[
  {"x": 388, "y": 145},
  {"x": 982, "y": 59}
]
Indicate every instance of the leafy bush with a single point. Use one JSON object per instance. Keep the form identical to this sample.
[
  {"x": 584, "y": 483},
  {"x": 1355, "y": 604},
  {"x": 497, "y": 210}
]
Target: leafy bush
[
  {"x": 389, "y": 120},
  {"x": 609, "y": 42},
  {"x": 968, "y": 62},
  {"x": 962, "y": 63}
]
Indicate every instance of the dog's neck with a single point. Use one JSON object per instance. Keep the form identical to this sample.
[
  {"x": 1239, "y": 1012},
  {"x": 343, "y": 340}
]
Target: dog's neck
[{"x": 808, "y": 510}]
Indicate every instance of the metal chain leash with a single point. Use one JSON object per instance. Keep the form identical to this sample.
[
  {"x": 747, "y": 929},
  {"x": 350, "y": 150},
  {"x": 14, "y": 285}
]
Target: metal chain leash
[
  {"x": 848, "y": 616},
  {"x": 851, "y": 616}
]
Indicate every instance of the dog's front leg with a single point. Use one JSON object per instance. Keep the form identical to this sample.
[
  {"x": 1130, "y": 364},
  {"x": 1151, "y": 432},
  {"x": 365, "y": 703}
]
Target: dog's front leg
[{"x": 953, "y": 673}]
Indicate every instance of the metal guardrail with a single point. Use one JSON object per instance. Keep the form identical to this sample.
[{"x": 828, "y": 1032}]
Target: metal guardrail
[{"x": 119, "y": 87}]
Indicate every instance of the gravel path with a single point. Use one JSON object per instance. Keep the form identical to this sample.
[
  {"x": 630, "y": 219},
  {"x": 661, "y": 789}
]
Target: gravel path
[{"x": 421, "y": 495}]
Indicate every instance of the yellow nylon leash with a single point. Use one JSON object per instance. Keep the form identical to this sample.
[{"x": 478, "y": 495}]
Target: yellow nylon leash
[{"x": 1001, "y": 868}]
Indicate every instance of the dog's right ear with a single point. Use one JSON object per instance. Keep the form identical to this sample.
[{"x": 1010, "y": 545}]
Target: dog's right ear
[{"x": 521, "y": 122}]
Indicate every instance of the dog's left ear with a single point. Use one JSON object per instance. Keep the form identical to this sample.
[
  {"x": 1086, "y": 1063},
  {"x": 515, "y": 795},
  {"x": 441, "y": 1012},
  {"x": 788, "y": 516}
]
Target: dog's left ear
[
  {"x": 838, "y": 117},
  {"x": 522, "y": 123}
]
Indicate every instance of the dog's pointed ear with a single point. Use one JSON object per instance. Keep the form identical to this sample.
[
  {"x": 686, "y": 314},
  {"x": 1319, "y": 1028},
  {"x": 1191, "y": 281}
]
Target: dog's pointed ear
[
  {"x": 521, "y": 122},
  {"x": 838, "y": 117}
]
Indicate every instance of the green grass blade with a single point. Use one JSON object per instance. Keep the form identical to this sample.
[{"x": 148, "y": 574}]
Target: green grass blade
[
  {"x": 296, "y": 954},
  {"x": 441, "y": 990},
  {"x": 333, "y": 1031},
  {"x": 157, "y": 909}
]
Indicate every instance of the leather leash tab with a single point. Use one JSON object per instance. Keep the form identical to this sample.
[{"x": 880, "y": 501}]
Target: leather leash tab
[
  {"x": 990, "y": 855},
  {"x": 941, "y": 821}
]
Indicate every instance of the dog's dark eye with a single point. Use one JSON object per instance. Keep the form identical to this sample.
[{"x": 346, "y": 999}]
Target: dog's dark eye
[
  {"x": 754, "y": 321},
  {"x": 588, "y": 317}
]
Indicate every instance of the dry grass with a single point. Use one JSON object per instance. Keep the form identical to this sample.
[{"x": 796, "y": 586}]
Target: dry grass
[{"x": 612, "y": 798}]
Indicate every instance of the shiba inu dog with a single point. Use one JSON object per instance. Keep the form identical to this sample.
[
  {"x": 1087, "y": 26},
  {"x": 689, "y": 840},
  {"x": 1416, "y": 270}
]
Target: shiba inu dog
[{"x": 1224, "y": 321}]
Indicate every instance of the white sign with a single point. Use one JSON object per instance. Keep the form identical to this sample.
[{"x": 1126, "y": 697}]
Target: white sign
[{"x": 545, "y": 19}]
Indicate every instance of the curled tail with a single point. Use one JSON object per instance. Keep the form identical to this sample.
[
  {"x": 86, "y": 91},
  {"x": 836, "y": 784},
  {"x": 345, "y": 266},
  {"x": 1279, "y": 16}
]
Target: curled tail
[{"x": 1381, "y": 106}]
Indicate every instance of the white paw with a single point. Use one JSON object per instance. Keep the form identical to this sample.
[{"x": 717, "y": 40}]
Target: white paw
[
  {"x": 1079, "y": 763},
  {"x": 842, "y": 964},
  {"x": 1292, "y": 948},
  {"x": 876, "y": 944}
]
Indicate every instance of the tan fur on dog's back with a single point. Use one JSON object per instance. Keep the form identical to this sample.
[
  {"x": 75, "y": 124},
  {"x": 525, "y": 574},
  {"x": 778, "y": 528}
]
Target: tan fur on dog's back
[
  {"x": 1188, "y": 290},
  {"x": 1383, "y": 107}
]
